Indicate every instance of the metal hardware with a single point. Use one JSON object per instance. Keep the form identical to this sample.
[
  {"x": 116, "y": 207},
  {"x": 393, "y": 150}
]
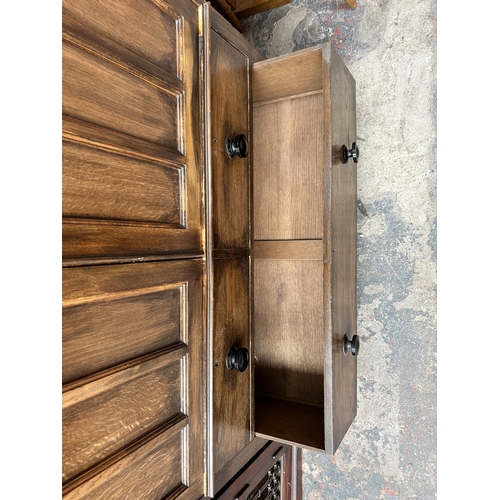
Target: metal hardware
[
  {"x": 237, "y": 146},
  {"x": 350, "y": 153},
  {"x": 237, "y": 359},
  {"x": 351, "y": 345}
]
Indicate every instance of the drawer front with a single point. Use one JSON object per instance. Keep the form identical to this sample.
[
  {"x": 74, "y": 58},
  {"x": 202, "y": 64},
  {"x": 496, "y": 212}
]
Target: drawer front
[
  {"x": 229, "y": 118},
  {"x": 230, "y": 242}
]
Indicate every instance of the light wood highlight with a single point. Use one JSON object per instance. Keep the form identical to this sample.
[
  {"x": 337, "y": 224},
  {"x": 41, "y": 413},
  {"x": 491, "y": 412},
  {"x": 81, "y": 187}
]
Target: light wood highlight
[
  {"x": 289, "y": 249},
  {"x": 152, "y": 471},
  {"x": 99, "y": 421},
  {"x": 100, "y": 185},
  {"x": 289, "y": 170},
  {"x": 284, "y": 77}
]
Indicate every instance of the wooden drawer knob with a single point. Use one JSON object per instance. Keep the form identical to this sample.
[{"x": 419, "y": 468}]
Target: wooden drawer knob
[
  {"x": 351, "y": 345},
  {"x": 350, "y": 153},
  {"x": 237, "y": 146},
  {"x": 237, "y": 359}
]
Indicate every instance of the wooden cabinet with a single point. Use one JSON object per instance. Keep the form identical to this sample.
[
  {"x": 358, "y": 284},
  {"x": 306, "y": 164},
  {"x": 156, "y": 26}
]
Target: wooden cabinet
[{"x": 180, "y": 246}]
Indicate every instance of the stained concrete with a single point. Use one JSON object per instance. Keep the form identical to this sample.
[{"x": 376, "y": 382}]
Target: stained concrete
[{"x": 390, "y": 48}]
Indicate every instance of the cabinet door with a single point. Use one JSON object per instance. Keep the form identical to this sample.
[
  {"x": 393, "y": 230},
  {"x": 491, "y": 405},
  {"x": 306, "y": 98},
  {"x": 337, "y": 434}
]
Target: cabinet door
[
  {"x": 132, "y": 169},
  {"x": 133, "y": 341}
]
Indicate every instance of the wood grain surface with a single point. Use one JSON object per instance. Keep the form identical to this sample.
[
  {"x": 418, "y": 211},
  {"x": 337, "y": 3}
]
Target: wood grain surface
[
  {"x": 288, "y": 323},
  {"x": 288, "y": 170},
  {"x": 229, "y": 117},
  {"x": 133, "y": 190},
  {"x": 304, "y": 195},
  {"x": 101, "y": 185},
  {"x": 231, "y": 389},
  {"x": 290, "y": 422},
  {"x": 272, "y": 79},
  {"x": 344, "y": 261}
]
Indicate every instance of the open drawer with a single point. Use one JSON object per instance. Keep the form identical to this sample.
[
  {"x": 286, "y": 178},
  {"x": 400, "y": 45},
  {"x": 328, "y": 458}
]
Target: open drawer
[
  {"x": 304, "y": 248},
  {"x": 281, "y": 250}
]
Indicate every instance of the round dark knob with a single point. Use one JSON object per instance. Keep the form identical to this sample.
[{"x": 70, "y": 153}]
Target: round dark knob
[
  {"x": 237, "y": 359},
  {"x": 350, "y": 153},
  {"x": 237, "y": 146},
  {"x": 351, "y": 345}
]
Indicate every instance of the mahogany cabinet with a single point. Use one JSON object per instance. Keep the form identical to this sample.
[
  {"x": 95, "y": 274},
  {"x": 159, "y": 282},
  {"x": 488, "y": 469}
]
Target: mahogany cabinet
[{"x": 209, "y": 253}]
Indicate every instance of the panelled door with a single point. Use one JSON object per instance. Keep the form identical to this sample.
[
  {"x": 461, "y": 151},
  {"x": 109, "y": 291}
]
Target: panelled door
[{"x": 132, "y": 244}]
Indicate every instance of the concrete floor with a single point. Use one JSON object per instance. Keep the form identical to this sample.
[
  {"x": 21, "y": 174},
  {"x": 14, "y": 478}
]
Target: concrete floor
[{"x": 390, "y": 48}]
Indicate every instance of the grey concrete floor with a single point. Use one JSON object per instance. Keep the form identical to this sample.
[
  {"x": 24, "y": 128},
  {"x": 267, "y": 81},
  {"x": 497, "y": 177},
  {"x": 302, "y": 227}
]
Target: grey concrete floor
[{"x": 389, "y": 47}]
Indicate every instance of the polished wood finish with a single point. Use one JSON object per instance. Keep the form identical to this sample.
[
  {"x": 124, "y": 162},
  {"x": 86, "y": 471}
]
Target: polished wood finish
[
  {"x": 225, "y": 475},
  {"x": 173, "y": 252},
  {"x": 231, "y": 389},
  {"x": 252, "y": 480},
  {"x": 131, "y": 161},
  {"x": 229, "y": 237},
  {"x": 304, "y": 300},
  {"x": 229, "y": 116},
  {"x": 133, "y": 230},
  {"x": 342, "y": 94},
  {"x": 289, "y": 249}
]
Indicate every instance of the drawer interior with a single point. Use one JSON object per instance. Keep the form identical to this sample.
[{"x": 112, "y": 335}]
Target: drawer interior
[{"x": 289, "y": 297}]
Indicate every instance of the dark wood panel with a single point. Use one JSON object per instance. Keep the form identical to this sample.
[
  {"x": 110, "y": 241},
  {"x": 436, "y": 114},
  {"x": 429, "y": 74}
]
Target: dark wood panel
[
  {"x": 83, "y": 284},
  {"x": 289, "y": 329},
  {"x": 139, "y": 25},
  {"x": 344, "y": 257},
  {"x": 289, "y": 249},
  {"x": 293, "y": 423},
  {"x": 152, "y": 472},
  {"x": 99, "y": 92},
  {"x": 231, "y": 389},
  {"x": 101, "y": 185},
  {"x": 88, "y": 238},
  {"x": 91, "y": 135},
  {"x": 251, "y": 482},
  {"x": 244, "y": 456},
  {"x": 229, "y": 117},
  {"x": 272, "y": 79},
  {"x": 109, "y": 330},
  {"x": 104, "y": 416},
  {"x": 134, "y": 93},
  {"x": 288, "y": 170}
]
